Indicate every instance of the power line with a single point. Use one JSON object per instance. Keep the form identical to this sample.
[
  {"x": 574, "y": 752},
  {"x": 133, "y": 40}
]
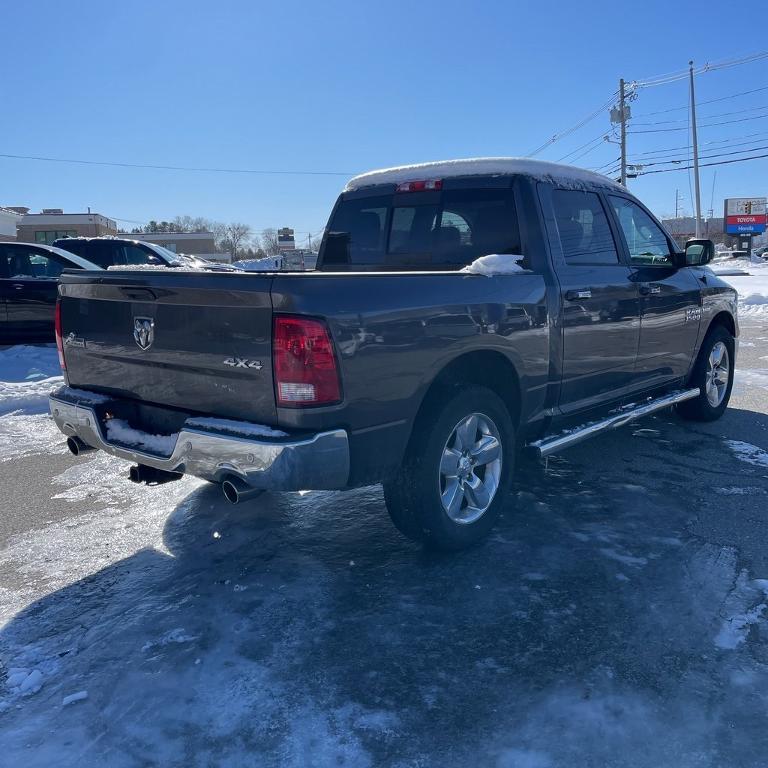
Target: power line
[
  {"x": 558, "y": 136},
  {"x": 709, "y": 101},
  {"x": 703, "y": 157},
  {"x": 734, "y": 141},
  {"x": 176, "y": 167},
  {"x": 708, "y": 125},
  {"x": 705, "y": 165},
  {"x": 681, "y": 74},
  {"x": 598, "y": 139},
  {"x": 709, "y": 117}
]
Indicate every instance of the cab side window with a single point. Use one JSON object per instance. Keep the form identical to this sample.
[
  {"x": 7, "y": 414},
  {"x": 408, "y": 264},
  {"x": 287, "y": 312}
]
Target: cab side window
[
  {"x": 646, "y": 242},
  {"x": 585, "y": 234}
]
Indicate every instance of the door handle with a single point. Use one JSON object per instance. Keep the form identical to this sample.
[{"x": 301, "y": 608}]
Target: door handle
[
  {"x": 581, "y": 293},
  {"x": 649, "y": 289}
]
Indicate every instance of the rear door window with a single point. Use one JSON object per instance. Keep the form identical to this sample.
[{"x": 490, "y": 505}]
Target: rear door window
[{"x": 585, "y": 235}]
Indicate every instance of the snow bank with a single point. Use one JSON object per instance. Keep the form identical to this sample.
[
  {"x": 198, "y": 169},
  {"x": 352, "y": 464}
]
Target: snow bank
[
  {"x": 237, "y": 428},
  {"x": 496, "y": 264},
  {"x": 27, "y": 376},
  {"x": 155, "y": 268},
  {"x": 119, "y": 431},
  {"x": 257, "y": 265},
  {"x": 565, "y": 175},
  {"x": 751, "y": 282}
]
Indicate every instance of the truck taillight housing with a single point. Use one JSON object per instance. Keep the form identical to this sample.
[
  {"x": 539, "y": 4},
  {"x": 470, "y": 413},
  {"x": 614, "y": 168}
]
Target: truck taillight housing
[
  {"x": 59, "y": 339},
  {"x": 425, "y": 185},
  {"x": 304, "y": 362}
]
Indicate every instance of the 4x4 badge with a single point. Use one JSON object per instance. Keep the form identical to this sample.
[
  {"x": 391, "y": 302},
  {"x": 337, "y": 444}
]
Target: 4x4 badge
[
  {"x": 143, "y": 331},
  {"x": 242, "y": 362}
]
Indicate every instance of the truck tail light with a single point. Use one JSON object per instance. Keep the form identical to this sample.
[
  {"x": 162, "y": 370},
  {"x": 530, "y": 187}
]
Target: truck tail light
[
  {"x": 59, "y": 339},
  {"x": 427, "y": 185},
  {"x": 304, "y": 362}
]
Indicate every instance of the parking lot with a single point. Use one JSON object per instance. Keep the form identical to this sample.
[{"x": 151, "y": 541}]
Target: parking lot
[{"x": 617, "y": 616}]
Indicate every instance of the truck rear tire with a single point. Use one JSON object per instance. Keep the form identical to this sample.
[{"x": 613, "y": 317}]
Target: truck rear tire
[
  {"x": 713, "y": 375},
  {"x": 455, "y": 478}
]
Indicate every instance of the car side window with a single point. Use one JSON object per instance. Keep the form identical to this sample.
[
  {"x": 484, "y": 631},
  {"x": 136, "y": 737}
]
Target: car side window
[
  {"x": 136, "y": 255},
  {"x": 646, "y": 242},
  {"x": 585, "y": 234},
  {"x": 27, "y": 265}
]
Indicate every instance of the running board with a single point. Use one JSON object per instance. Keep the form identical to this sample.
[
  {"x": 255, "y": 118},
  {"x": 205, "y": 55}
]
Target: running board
[{"x": 549, "y": 445}]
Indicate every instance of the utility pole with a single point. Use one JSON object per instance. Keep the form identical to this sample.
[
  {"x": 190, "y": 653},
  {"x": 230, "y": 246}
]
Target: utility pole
[
  {"x": 623, "y": 116},
  {"x": 695, "y": 154},
  {"x": 677, "y": 203}
]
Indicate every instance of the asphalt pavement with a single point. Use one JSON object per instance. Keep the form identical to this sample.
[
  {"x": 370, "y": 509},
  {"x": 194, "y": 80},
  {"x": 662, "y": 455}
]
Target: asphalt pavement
[{"x": 618, "y": 615}]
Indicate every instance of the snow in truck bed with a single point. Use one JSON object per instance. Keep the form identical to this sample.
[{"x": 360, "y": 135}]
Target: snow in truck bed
[{"x": 566, "y": 175}]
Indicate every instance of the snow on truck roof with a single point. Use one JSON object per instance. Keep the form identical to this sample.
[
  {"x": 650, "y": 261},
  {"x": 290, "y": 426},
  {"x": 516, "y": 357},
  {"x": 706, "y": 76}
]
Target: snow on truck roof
[{"x": 566, "y": 175}]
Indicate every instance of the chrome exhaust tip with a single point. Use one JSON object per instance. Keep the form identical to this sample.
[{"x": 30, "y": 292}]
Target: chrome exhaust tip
[
  {"x": 236, "y": 490},
  {"x": 77, "y": 446}
]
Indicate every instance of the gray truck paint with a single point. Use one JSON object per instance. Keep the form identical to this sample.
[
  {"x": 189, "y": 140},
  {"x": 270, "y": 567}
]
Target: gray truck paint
[{"x": 395, "y": 332}]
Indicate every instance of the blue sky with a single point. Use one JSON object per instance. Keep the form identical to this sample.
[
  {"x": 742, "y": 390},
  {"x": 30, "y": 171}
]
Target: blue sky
[{"x": 342, "y": 87}]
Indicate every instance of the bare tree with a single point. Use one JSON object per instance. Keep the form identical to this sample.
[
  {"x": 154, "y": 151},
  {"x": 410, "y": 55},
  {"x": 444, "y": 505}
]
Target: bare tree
[
  {"x": 193, "y": 224},
  {"x": 232, "y": 237},
  {"x": 269, "y": 242}
]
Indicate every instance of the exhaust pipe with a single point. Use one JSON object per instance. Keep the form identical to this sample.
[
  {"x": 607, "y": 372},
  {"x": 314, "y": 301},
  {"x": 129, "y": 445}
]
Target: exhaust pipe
[
  {"x": 77, "y": 446},
  {"x": 236, "y": 490},
  {"x": 141, "y": 473}
]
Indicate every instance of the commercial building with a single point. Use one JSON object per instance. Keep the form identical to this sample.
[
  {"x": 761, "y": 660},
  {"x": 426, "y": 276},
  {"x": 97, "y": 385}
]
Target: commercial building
[
  {"x": 52, "y": 223},
  {"x": 201, "y": 244},
  {"x": 285, "y": 239},
  {"x": 683, "y": 229},
  {"x": 9, "y": 221}
]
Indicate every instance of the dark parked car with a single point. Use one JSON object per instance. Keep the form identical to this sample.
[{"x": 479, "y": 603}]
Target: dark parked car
[
  {"x": 29, "y": 284},
  {"x": 459, "y": 312},
  {"x": 119, "y": 251}
]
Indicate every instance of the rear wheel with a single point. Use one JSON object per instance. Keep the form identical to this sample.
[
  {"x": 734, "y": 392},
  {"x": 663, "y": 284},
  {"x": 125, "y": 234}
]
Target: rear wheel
[
  {"x": 452, "y": 484},
  {"x": 713, "y": 375}
]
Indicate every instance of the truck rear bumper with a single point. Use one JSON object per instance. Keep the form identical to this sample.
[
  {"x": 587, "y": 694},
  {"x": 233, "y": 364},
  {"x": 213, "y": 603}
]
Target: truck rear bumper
[{"x": 291, "y": 463}]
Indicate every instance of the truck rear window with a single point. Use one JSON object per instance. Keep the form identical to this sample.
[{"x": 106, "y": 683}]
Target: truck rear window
[{"x": 438, "y": 230}]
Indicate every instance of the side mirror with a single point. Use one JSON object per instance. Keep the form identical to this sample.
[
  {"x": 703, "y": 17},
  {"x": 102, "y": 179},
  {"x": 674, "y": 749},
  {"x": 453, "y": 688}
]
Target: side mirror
[{"x": 699, "y": 252}]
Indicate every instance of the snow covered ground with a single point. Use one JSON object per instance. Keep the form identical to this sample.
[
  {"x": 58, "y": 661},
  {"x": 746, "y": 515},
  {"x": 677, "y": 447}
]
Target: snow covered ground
[
  {"x": 618, "y": 616},
  {"x": 27, "y": 375},
  {"x": 750, "y": 280}
]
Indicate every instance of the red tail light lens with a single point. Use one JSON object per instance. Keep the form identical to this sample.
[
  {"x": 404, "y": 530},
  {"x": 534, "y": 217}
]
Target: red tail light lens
[
  {"x": 59, "y": 339},
  {"x": 304, "y": 362},
  {"x": 427, "y": 185}
]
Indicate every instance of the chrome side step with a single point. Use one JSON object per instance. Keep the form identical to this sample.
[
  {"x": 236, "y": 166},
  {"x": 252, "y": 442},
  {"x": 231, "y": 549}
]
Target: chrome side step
[{"x": 549, "y": 445}]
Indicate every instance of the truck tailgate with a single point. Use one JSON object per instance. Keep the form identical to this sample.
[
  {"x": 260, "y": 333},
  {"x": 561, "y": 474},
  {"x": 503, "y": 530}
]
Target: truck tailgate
[{"x": 151, "y": 336}]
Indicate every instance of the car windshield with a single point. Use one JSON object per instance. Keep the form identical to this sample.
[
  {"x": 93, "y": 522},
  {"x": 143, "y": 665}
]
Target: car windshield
[
  {"x": 422, "y": 230},
  {"x": 165, "y": 254}
]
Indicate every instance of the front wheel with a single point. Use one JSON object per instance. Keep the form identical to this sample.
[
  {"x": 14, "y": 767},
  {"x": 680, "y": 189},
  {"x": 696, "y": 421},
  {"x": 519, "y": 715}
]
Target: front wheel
[
  {"x": 713, "y": 375},
  {"x": 456, "y": 475}
]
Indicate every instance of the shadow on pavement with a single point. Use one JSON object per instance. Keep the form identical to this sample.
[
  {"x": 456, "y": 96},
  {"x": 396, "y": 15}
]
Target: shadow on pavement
[{"x": 303, "y": 630}]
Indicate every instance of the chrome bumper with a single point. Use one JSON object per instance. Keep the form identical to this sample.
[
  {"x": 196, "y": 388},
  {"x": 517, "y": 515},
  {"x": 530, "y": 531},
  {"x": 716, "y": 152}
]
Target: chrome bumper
[{"x": 314, "y": 462}]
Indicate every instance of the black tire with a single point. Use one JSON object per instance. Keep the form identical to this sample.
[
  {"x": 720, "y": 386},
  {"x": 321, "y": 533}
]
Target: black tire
[
  {"x": 701, "y": 408},
  {"x": 413, "y": 494}
]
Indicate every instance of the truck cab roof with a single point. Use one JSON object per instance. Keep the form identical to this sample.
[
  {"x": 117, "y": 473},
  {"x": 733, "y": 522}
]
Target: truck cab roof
[{"x": 562, "y": 175}]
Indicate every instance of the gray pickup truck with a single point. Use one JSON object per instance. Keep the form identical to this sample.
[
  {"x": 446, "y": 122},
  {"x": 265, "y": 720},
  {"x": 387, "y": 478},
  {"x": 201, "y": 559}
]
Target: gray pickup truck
[{"x": 460, "y": 312}]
